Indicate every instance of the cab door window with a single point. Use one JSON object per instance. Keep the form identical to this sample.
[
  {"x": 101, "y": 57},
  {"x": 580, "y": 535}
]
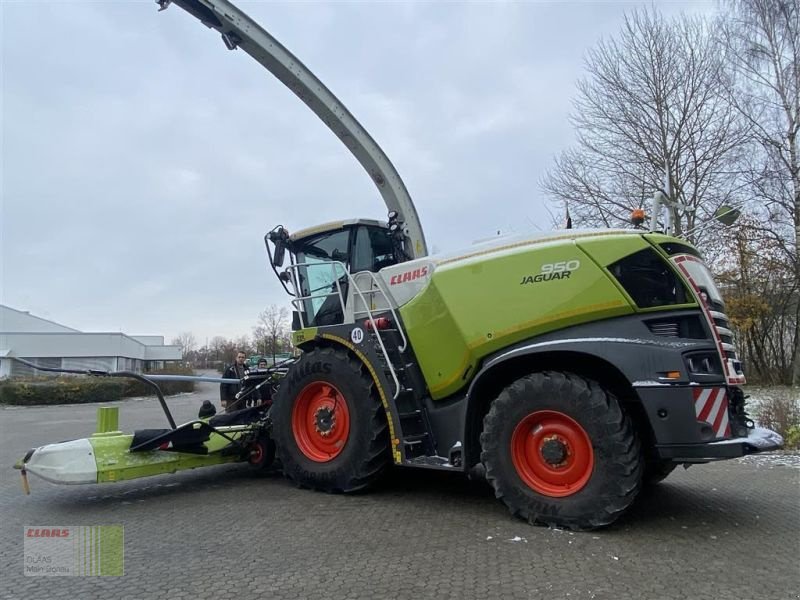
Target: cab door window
[
  {"x": 324, "y": 261},
  {"x": 372, "y": 249}
]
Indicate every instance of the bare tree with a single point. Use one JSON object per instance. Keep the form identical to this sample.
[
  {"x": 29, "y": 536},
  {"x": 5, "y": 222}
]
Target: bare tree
[
  {"x": 260, "y": 337},
  {"x": 217, "y": 345},
  {"x": 186, "y": 341},
  {"x": 762, "y": 39},
  {"x": 760, "y": 292},
  {"x": 202, "y": 357},
  {"x": 243, "y": 344},
  {"x": 272, "y": 327},
  {"x": 652, "y": 97},
  {"x": 228, "y": 350}
]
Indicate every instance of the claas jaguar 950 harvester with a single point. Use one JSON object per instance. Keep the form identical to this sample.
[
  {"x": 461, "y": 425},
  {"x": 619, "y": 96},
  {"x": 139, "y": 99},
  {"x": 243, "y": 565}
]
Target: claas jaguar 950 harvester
[{"x": 568, "y": 368}]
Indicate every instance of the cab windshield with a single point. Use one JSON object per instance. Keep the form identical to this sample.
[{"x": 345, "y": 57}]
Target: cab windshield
[{"x": 324, "y": 261}]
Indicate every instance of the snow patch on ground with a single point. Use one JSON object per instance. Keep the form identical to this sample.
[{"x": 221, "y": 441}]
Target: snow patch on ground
[{"x": 772, "y": 460}]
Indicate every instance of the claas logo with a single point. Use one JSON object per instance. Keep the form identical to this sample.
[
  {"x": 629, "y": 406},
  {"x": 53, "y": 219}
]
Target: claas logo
[
  {"x": 34, "y": 532},
  {"x": 408, "y": 276}
]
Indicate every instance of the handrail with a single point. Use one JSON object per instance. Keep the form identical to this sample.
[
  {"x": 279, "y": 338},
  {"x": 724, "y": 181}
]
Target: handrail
[
  {"x": 379, "y": 283},
  {"x": 367, "y": 311}
]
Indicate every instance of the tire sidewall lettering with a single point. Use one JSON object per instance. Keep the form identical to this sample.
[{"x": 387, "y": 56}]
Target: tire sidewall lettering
[{"x": 301, "y": 371}]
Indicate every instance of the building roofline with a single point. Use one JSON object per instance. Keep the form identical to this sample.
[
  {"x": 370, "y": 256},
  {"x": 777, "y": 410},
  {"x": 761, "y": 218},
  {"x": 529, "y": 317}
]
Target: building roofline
[
  {"x": 29, "y": 314},
  {"x": 119, "y": 333}
]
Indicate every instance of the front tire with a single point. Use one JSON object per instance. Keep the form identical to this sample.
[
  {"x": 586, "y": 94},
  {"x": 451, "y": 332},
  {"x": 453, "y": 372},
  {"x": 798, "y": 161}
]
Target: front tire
[
  {"x": 559, "y": 450},
  {"x": 328, "y": 423}
]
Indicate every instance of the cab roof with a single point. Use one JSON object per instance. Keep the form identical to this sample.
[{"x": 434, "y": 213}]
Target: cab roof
[{"x": 333, "y": 226}]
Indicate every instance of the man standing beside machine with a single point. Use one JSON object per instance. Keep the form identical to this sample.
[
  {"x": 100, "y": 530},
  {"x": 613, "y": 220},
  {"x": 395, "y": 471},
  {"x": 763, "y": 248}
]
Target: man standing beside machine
[{"x": 228, "y": 391}]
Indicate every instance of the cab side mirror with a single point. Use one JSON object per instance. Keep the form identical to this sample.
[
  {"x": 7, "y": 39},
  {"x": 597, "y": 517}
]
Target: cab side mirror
[{"x": 280, "y": 239}]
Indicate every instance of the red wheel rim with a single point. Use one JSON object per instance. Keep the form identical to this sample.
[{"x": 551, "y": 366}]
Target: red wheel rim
[
  {"x": 256, "y": 453},
  {"x": 552, "y": 453},
  {"x": 320, "y": 421}
]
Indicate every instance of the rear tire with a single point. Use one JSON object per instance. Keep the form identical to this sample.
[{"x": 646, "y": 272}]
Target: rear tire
[
  {"x": 328, "y": 423},
  {"x": 559, "y": 450}
]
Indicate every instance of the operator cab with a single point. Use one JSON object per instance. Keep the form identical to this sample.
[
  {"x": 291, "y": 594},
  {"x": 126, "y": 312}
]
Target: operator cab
[{"x": 321, "y": 259}]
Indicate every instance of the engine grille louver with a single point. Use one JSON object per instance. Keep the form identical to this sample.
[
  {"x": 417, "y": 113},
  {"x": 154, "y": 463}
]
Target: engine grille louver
[{"x": 664, "y": 329}]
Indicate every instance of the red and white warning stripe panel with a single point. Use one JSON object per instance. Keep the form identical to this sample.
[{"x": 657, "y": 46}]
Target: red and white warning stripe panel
[{"x": 711, "y": 406}]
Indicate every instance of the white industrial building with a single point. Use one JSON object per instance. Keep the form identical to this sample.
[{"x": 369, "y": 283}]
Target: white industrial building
[{"x": 49, "y": 344}]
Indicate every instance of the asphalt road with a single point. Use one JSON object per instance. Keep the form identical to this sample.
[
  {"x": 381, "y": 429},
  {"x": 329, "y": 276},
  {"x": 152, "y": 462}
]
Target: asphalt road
[{"x": 724, "y": 531}]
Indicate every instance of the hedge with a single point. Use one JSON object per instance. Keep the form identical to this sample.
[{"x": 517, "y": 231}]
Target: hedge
[
  {"x": 84, "y": 390},
  {"x": 64, "y": 390}
]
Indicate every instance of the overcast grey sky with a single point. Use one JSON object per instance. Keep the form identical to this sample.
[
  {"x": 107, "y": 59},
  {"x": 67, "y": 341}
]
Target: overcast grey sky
[{"x": 142, "y": 162}]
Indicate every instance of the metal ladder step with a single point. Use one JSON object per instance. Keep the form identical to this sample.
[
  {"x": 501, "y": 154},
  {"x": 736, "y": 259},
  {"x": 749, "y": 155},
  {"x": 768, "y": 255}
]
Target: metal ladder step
[
  {"x": 413, "y": 440},
  {"x": 415, "y": 414}
]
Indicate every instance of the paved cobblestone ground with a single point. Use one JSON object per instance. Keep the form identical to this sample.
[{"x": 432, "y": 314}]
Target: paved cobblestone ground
[{"x": 724, "y": 531}]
